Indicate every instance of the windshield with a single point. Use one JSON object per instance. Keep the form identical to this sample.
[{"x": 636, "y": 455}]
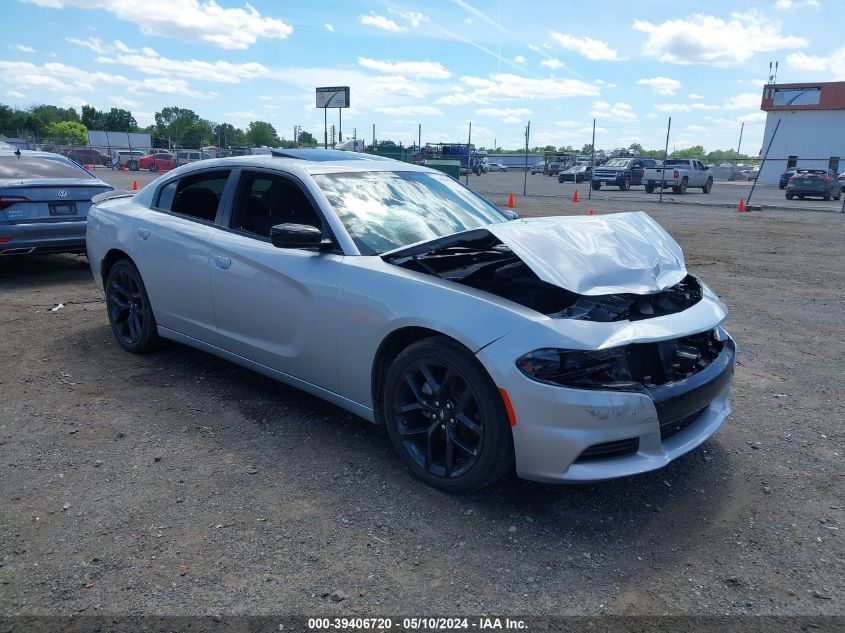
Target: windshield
[
  {"x": 384, "y": 210},
  {"x": 616, "y": 162},
  {"x": 26, "y": 167}
]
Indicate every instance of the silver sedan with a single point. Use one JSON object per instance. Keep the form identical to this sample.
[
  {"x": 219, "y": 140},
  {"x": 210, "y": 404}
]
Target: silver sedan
[{"x": 568, "y": 348}]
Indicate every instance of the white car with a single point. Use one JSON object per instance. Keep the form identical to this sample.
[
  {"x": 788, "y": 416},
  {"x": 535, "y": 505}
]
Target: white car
[
  {"x": 571, "y": 348},
  {"x": 497, "y": 167}
]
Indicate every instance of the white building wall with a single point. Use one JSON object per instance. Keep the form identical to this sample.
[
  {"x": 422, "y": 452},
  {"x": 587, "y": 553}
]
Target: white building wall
[{"x": 811, "y": 135}]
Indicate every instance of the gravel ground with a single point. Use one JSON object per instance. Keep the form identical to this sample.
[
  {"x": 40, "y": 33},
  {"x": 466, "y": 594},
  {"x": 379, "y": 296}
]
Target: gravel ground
[{"x": 177, "y": 483}]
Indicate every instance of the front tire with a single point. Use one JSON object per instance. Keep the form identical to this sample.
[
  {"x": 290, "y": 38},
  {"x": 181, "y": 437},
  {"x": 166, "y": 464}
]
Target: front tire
[
  {"x": 153, "y": 168},
  {"x": 130, "y": 313},
  {"x": 132, "y": 165},
  {"x": 789, "y": 196},
  {"x": 708, "y": 186},
  {"x": 446, "y": 418},
  {"x": 626, "y": 184}
]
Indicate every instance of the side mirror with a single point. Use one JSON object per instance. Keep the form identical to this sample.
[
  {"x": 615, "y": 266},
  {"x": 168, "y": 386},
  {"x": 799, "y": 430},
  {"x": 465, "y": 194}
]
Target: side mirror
[{"x": 295, "y": 236}]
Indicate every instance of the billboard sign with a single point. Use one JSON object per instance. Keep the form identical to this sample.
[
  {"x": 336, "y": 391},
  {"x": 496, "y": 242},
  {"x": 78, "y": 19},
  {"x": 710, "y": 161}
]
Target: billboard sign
[
  {"x": 333, "y": 97},
  {"x": 796, "y": 96}
]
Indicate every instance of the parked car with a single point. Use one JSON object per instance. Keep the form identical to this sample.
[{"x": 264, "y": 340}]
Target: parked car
[
  {"x": 578, "y": 173},
  {"x": 815, "y": 183},
  {"x": 126, "y": 158},
  {"x": 538, "y": 168},
  {"x": 842, "y": 181},
  {"x": 526, "y": 344},
  {"x": 160, "y": 161},
  {"x": 555, "y": 168},
  {"x": 622, "y": 172},
  {"x": 784, "y": 178},
  {"x": 680, "y": 174},
  {"x": 496, "y": 167},
  {"x": 44, "y": 201},
  {"x": 86, "y": 156}
]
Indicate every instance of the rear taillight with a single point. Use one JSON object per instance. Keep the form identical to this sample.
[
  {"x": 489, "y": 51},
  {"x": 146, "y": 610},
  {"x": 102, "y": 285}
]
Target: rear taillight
[
  {"x": 676, "y": 174},
  {"x": 8, "y": 201},
  {"x": 827, "y": 178},
  {"x": 792, "y": 177}
]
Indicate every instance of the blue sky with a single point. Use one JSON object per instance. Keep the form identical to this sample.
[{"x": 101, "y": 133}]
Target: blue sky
[{"x": 440, "y": 64}]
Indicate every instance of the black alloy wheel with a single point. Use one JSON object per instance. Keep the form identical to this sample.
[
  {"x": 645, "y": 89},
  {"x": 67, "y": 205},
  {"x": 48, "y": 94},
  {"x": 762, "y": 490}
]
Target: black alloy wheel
[
  {"x": 446, "y": 418},
  {"x": 130, "y": 314}
]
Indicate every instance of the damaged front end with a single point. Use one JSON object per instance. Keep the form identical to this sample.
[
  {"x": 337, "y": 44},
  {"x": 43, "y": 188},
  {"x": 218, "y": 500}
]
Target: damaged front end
[{"x": 551, "y": 268}]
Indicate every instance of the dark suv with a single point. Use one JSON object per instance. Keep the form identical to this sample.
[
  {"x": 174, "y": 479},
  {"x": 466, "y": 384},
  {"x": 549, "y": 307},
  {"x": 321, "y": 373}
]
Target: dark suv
[{"x": 621, "y": 172}]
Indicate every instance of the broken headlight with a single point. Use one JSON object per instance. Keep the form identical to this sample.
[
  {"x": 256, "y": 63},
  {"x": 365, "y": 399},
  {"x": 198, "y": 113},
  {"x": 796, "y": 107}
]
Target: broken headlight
[{"x": 582, "y": 369}]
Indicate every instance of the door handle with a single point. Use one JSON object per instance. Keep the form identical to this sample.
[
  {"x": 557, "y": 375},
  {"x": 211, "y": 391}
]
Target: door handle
[
  {"x": 222, "y": 262},
  {"x": 143, "y": 233}
]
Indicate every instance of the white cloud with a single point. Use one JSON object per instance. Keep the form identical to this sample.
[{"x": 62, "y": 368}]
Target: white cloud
[
  {"x": 74, "y": 102},
  {"x": 695, "y": 95},
  {"x": 706, "y": 39},
  {"x": 742, "y": 101},
  {"x": 93, "y": 43},
  {"x": 519, "y": 59},
  {"x": 415, "y": 18},
  {"x": 16, "y": 94},
  {"x": 409, "y": 110},
  {"x": 792, "y": 5},
  {"x": 381, "y": 22},
  {"x": 506, "y": 86},
  {"x": 23, "y": 48},
  {"x": 661, "y": 85},
  {"x": 266, "y": 97},
  {"x": 506, "y": 115},
  {"x": 123, "y": 102},
  {"x": 55, "y": 77},
  {"x": 467, "y": 20},
  {"x": 587, "y": 46},
  {"x": 123, "y": 48},
  {"x": 329, "y": 27},
  {"x": 151, "y": 63},
  {"x": 242, "y": 115},
  {"x": 833, "y": 64},
  {"x": 619, "y": 111},
  {"x": 169, "y": 86},
  {"x": 423, "y": 69},
  {"x": 193, "y": 20},
  {"x": 552, "y": 63}
]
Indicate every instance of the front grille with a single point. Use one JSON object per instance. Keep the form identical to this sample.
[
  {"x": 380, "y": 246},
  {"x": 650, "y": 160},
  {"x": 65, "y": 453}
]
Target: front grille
[
  {"x": 673, "y": 428},
  {"x": 604, "y": 450}
]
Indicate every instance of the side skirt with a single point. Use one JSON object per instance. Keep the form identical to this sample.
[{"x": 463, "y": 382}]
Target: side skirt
[{"x": 330, "y": 396}]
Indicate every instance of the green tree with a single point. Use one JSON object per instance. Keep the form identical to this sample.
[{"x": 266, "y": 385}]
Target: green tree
[
  {"x": 117, "y": 120},
  {"x": 307, "y": 139},
  {"x": 229, "y": 135},
  {"x": 91, "y": 117},
  {"x": 178, "y": 125},
  {"x": 261, "y": 133},
  {"x": 636, "y": 148},
  {"x": 68, "y": 132},
  {"x": 696, "y": 151},
  {"x": 41, "y": 116},
  {"x": 587, "y": 149}
]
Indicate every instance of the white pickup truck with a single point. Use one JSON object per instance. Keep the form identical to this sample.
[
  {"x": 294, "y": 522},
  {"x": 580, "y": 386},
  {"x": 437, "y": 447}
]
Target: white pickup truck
[{"x": 680, "y": 174}]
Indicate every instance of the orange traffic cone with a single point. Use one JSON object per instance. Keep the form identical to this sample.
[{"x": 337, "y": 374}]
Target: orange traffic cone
[
  {"x": 510, "y": 200},
  {"x": 741, "y": 207},
  {"x": 575, "y": 196},
  {"x": 134, "y": 185},
  {"x": 590, "y": 212},
  {"x": 124, "y": 169}
]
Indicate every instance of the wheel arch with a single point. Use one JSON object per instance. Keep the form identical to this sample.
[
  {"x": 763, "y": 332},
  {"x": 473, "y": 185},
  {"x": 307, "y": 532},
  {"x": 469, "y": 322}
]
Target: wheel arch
[
  {"x": 113, "y": 256},
  {"x": 391, "y": 346}
]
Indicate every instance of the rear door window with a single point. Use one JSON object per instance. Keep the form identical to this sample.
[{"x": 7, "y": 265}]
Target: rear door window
[{"x": 197, "y": 196}]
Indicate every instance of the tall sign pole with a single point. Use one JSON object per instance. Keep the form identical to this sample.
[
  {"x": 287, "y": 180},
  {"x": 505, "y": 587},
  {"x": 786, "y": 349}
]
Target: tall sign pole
[
  {"x": 592, "y": 166},
  {"x": 525, "y": 175},
  {"x": 665, "y": 156},
  {"x": 332, "y": 97},
  {"x": 469, "y": 154}
]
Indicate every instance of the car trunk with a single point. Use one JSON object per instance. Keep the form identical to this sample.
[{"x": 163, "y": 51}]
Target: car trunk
[{"x": 60, "y": 200}]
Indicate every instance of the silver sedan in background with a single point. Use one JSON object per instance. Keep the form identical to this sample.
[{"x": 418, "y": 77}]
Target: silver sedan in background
[
  {"x": 573, "y": 348},
  {"x": 44, "y": 202}
]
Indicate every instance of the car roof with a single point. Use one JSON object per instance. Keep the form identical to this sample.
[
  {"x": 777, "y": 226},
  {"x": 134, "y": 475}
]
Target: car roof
[{"x": 311, "y": 162}]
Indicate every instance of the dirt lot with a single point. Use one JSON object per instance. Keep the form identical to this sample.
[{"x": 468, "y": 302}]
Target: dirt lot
[{"x": 180, "y": 484}]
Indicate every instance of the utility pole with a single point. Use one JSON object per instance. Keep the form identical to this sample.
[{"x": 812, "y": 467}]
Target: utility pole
[
  {"x": 525, "y": 175},
  {"x": 419, "y": 137},
  {"x": 469, "y": 154},
  {"x": 738, "y": 145},
  {"x": 592, "y": 166},
  {"x": 665, "y": 156}
]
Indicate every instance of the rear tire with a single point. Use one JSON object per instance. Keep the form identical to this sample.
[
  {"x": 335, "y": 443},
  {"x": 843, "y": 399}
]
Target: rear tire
[
  {"x": 130, "y": 313},
  {"x": 153, "y": 168},
  {"x": 446, "y": 418},
  {"x": 132, "y": 165},
  {"x": 682, "y": 189},
  {"x": 649, "y": 189},
  {"x": 789, "y": 196},
  {"x": 596, "y": 186}
]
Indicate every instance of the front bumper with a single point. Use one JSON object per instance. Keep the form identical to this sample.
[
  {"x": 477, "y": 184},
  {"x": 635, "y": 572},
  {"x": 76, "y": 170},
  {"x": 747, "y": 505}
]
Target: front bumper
[
  {"x": 43, "y": 237},
  {"x": 577, "y": 435}
]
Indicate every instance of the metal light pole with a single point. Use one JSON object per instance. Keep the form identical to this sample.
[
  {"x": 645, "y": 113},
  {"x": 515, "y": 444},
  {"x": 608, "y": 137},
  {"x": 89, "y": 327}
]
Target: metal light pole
[
  {"x": 469, "y": 155},
  {"x": 525, "y": 173},
  {"x": 592, "y": 166},
  {"x": 765, "y": 156},
  {"x": 665, "y": 156}
]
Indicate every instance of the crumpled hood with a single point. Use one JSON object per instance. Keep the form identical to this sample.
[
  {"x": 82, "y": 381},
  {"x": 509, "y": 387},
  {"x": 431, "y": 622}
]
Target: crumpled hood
[{"x": 596, "y": 255}]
